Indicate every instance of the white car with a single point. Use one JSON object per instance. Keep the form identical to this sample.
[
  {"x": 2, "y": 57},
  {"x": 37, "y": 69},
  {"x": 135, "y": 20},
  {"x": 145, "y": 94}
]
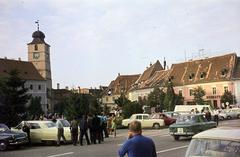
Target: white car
[
  {"x": 145, "y": 120},
  {"x": 217, "y": 142},
  {"x": 44, "y": 131}
]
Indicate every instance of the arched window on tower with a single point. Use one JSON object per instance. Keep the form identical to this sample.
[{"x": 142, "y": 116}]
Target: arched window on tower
[{"x": 35, "y": 47}]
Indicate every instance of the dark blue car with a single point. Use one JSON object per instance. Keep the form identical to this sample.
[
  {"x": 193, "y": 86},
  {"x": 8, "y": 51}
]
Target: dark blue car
[{"x": 11, "y": 138}]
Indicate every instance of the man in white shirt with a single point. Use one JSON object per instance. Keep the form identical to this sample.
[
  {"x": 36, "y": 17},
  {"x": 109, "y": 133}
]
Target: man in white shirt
[{"x": 60, "y": 132}]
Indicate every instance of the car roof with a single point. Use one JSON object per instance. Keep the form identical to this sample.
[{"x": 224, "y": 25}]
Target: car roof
[
  {"x": 38, "y": 121},
  {"x": 223, "y": 133},
  {"x": 141, "y": 114}
]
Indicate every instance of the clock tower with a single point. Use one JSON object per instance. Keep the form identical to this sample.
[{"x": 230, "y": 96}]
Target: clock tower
[{"x": 39, "y": 56}]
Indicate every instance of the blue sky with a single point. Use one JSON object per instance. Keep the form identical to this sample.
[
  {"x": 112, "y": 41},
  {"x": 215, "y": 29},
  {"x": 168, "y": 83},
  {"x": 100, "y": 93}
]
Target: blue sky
[{"x": 94, "y": 40}]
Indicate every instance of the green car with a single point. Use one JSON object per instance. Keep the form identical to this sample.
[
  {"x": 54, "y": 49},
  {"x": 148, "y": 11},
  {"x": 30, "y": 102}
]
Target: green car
[{"x": 189, "y": 125}]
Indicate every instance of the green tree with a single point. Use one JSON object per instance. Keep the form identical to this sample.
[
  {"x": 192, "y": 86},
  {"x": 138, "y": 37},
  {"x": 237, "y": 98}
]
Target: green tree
[
  {"x": 60, "y": 107},
  {"x": 122, "y": 100},
  {"x": 228, "y": 97},
  {"x": 77, "y": 105},
  {"x": 94, "y": 105},
  {"x": 14, "y": 97},
  {"x": 131, "y": 108},
  {"x": 198, "y": 94},
  {"x": 169, "y": 99},
  {"x": 156, "y": 97},
  {"x": 35, "y": 106}
]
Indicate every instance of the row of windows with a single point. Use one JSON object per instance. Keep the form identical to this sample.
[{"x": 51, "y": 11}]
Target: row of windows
[
  {"x": 39, "y": 87},
  {"x": 214, "y": 91}
]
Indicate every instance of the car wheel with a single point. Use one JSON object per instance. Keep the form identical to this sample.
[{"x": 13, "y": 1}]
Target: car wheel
[
  {"x": 156, "y": 126},
  {"x": 229, "y": 117},
  {"x": 238, "y": 116},
  {"x": 221, "y": 118},
  {"x": 3, "y": 145},
  {"x": 176, "y": 138}
]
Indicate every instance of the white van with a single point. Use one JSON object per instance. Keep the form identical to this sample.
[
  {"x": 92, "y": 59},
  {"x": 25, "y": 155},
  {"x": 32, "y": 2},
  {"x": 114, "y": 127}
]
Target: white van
[{"x": 186, "y": 109}]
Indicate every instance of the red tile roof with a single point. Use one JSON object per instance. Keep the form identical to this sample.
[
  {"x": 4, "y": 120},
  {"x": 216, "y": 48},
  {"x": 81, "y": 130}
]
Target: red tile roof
[
  {"x": 149, "y": 72},
  {"x": 26, "y": 69},
  {"x": 219, "y": 68},
  {"x": 122, "y": 84}
]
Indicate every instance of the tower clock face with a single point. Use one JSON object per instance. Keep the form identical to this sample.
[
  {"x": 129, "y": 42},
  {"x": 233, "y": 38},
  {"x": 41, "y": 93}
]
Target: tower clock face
[{"x": 36, "y": 55}]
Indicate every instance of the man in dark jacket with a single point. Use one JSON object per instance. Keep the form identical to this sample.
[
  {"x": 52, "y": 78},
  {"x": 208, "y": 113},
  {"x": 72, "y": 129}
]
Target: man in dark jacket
[
  {"x": 83, "y": 130},
  {"x": 74, "y": 131},
  {"x": 96, "y": 129}
]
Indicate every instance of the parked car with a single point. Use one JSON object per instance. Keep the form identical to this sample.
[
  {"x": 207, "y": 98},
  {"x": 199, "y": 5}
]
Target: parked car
[
  {"x": 189, "y": 125},
  {"x": 45, "y": 131},
  {"x": 145, "y": 120},
  {"x": 11, "y": 138},
  {"x": 217, "y": 142},
  {"x": 172, "y": 114},
  {"x": 167, "y": 119},
  {"x": 229, "y": 113}
]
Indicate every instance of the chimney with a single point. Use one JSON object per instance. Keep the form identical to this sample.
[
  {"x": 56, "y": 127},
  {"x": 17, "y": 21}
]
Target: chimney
[
  {"x": 118, "y": 74},
  {"x": 66, "y": 87},
  {"x": 19, "y": 59},
  {"x": 164, "y": 64},
  {"x": 58, "y": 86},
  {"x": 5, "y": 57},
  {"x": 150, "y": 64},
  {"x": 79, "y": 89}
]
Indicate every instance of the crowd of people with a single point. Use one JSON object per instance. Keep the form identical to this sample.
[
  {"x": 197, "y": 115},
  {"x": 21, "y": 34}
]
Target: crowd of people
[{"x": 94, "y": 128}]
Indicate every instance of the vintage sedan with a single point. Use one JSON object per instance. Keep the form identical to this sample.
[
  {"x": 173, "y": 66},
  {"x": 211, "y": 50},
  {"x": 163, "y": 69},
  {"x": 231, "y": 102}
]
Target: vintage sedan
[
  {"x": 217, "y": 142},
  {"x": 189, "y": 125},
  {"x": 11, "y": 138},
  {"x": 44, "y": 131},
  {"x": 167, "y": 119},
  {"x": 145, "y": 120}
]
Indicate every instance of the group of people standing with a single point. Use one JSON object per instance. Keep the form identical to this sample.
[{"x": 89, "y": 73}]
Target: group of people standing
[{"x": 93, "y": 127}]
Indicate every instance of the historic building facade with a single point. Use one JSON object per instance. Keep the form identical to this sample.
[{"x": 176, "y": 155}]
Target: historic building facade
[
  {"x": 215, "y": 75},
  {"x": 39, "y": 56},
  {"x": 35, "y": 83},
  {"x": 120, "y": 85}
]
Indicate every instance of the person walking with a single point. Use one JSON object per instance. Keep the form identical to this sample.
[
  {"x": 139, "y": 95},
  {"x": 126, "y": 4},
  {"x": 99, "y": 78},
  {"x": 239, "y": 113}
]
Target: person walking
[
  {"x": 137, "y": 145},
  {"x": 114, "y": 125},
  {"x": 26, "y": 129},
  {"x": 60, "y": 131},
  {"x": 90, "y": 127},
  {"x": 96, "y": 129},
  {"x": 74, "y": 131},
  {"x": 83, "y": 130}
]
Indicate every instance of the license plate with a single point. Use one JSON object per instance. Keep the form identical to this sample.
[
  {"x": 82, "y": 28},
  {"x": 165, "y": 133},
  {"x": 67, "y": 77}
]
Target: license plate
[{"x": 180, "y": 130}]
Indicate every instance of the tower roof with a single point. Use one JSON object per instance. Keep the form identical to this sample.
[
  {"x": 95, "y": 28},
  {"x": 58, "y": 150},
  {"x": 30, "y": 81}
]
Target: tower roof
[{"x": 38, "y": 38}]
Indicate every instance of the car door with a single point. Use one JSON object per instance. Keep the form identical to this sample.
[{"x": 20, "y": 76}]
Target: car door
[
  {"x": 140, "y": 119},
  {"x": 147, "y": 122},
  {"x": 35, "y": 132}
]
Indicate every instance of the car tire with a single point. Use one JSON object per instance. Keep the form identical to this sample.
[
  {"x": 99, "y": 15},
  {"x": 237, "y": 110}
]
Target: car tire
[
  {"x": 3, "y": 145},
  {"x": 156, "y": 126},
  {"x": 229, "y": 117},
  {"x": 238, "y": 116},
  {"x": 176, "y": 138}
]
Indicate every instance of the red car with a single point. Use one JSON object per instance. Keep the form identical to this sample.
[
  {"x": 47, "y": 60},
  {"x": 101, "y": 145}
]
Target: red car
[{"x": 167, "y": 120}]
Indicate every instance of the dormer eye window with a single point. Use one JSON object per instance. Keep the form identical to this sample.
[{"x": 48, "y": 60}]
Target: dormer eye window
[
  {"x": 191, "y": 76},
  {"x": 224, "y": 72},
  {"x": 170, "y": 78},
  {"x": 202, "y": 75}
]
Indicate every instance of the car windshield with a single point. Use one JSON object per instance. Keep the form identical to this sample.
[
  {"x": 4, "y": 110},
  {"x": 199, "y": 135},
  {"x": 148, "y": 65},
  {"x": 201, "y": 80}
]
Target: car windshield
[
  {"x": 186, "y": 119},
  {"x": 213, "y": 148},
  {"x": 3, "y": 128},
  {"x": 50, "y": 125},
  {"x": 65, "y": 123}
]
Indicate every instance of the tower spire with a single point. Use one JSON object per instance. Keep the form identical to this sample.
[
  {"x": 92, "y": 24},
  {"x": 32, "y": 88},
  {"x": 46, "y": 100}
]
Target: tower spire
[{"x": 37, "y": 22}]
